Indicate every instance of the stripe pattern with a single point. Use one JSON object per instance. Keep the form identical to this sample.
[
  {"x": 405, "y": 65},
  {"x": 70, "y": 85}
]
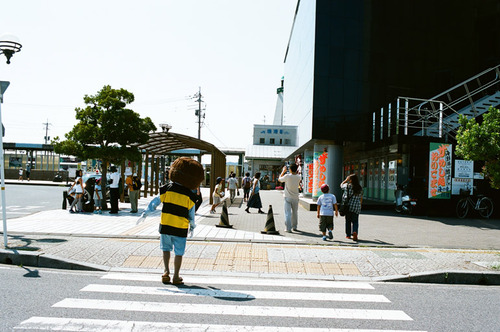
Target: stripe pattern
[
  {"x": 316, "y": 300},
  {"x": 177, "y": 201}
]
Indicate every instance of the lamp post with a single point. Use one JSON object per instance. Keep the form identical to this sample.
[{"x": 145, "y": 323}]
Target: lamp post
[{"x": 8, "y": 45}]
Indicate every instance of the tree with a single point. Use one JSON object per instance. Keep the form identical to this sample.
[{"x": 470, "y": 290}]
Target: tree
[
  {"x": 481, "y": 142},
  {"x": 106, "y": 130}
]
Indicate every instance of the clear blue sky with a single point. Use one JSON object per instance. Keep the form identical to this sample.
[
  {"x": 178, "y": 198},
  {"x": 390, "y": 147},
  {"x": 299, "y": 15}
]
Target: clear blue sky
[{"x": 160, "y": 50}]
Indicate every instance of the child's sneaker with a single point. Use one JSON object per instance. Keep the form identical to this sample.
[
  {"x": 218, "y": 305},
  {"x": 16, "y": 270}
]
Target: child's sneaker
[
  {"x": 96, "y": 212},
  {"x": 324, "y": 238},
  {"x": 330, "y": 235}
]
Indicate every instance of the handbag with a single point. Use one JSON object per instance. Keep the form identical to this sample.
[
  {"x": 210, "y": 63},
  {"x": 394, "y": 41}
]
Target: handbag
[{"x": 344, "y": 206}]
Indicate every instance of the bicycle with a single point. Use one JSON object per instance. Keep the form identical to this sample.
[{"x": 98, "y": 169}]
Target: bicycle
[{"x": 480, "y": 203}]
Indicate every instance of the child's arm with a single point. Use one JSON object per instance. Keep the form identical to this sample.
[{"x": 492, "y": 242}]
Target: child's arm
[
  {"x": 319, "y": 207},
  {"x": 336, "y": 210}
]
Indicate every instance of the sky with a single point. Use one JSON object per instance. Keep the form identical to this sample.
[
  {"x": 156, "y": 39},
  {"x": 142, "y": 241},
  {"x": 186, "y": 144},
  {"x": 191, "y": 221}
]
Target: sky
[{"x": 162, "y": 51}]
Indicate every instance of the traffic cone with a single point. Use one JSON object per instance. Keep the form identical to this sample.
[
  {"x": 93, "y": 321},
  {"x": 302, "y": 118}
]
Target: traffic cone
[
  {"x": 270, "y": 228},
  {"x": 224, "y": 217}
]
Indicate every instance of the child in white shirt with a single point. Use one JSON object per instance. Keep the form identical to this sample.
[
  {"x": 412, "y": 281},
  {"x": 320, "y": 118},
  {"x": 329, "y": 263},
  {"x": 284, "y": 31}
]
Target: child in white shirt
[{"x": 326, "y": 204}]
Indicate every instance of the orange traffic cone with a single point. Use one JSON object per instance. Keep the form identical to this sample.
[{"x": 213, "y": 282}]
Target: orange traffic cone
[
  {"x": 270, "y": 228},
  {"x": 224, "y": 217}
]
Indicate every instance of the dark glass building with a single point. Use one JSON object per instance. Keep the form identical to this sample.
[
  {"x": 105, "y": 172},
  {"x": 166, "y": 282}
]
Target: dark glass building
[{"x": 363, "y": 78}]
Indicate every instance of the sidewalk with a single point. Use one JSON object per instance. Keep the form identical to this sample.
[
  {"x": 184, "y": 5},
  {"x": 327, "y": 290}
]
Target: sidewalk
[{"x": 390, "y": 245}]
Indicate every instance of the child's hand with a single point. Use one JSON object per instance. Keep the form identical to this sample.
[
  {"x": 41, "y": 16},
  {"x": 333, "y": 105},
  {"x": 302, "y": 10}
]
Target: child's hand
[
  {"x": 336, "y": 214},
  {"x": 318, "y": 215}
]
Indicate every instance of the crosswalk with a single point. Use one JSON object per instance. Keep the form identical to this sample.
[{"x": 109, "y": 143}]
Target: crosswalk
[{"x": 215, "y": 303}]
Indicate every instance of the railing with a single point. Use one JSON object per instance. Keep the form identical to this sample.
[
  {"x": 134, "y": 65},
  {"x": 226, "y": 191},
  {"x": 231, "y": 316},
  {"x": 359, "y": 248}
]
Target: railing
[{"x": 438, "y": 116}]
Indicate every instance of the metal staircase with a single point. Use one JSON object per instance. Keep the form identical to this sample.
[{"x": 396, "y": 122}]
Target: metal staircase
[{"x": 438, "y": 116}]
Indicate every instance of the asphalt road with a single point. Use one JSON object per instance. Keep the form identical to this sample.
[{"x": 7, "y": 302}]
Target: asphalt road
[
  {"x": 32, "y": 298},
  {"x": 22, "y": 200}
]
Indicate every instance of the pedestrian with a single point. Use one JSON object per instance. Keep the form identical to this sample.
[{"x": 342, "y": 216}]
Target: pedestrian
[
  {"x": 246, "y": 184},
  {"x": 21, "y": 174},
  {"x": 178, "y": 213},
  {"x": 133, "y": 186},
  {"x": 291, "y": 193},
  {"x": 97, "y": 197},
  {"x": 78, "y": 189},
  {"x": 232, "y": 186},
  {"x": 28, "y": 171},
  {"x": 326, "y": 204},
  {"x": 218, "y": 194},
  {"x": 114, "y": 190},
  {"x": 254, "y": 200},
  {"x": 199, "y": 198},
  {"x": 353, "y": 197}
]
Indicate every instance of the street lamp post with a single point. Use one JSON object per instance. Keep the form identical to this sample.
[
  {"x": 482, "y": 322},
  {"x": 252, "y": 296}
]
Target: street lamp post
[{"x": 8, "y": 45}]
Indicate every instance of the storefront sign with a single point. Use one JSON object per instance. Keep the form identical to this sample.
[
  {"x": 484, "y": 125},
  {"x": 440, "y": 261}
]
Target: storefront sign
[
  {"x": 319, "y": 172},
  {"x": 309, "y": 172},
  {"x": 459, "y": 183},
  {"x": 440, "y": 171},
  {"x": 464, "y": 169}
]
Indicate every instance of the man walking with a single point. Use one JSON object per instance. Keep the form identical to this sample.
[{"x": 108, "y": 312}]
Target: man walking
[{"x": 291, "y": 193}]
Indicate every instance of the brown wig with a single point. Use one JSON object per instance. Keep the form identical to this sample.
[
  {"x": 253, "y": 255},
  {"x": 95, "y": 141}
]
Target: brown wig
[{"x": 187, "y": 172}]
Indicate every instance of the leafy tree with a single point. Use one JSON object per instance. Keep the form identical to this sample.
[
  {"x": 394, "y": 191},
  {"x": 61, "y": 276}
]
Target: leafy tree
[
  {"x": 481, "y": 141},
  {"x": 106, "y": 129}
]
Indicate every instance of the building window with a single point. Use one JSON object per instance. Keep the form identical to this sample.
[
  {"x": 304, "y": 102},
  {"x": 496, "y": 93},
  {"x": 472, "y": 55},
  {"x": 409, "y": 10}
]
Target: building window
[
  {"x": 275, "y": 131},
  {"x": 269, "y": 131},
  {"x": 287, "y": 141},
  {"x": 281, "y": 131},
  {"x": 262, "y": 141},
  {"x": 271, "y": 141},
  {"x": 281, "y": 141}
]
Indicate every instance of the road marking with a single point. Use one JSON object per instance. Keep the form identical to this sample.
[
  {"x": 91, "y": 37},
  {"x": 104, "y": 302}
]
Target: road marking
[
  {"x": 232, "y": 310},
  {"x": 86, "y": 325},
  {"x": 245, "y": 281},
  {"x": 236, "y": 294}
]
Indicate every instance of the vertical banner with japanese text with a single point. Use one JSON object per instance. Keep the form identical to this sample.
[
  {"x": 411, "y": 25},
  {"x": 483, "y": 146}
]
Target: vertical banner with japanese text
[
  {"x": 320, "y": 171},
  {"x": 440, "y": 165},
  {"x": 308, "y": 172}
]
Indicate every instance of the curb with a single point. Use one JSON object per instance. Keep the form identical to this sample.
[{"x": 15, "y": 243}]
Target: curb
[
  {"x": 37, "y": 259},
  {"x": 448, "y": 277}
]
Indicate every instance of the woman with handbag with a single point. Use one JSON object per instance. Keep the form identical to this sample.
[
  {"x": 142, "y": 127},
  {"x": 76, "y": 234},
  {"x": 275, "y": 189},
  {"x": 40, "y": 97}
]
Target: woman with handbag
[{"x": 352, "y": 197}]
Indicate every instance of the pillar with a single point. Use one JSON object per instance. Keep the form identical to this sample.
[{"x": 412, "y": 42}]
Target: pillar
[{"x": 327, "y": 168}]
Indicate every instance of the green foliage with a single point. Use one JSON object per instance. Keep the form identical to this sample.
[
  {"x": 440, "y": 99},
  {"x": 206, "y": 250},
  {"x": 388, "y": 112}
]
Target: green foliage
[
  {"x": 481, "y": 142},
  {"x": 106, "y": 129}
]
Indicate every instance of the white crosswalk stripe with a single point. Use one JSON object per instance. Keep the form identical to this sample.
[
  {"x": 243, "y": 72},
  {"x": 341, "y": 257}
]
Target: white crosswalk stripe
[
  {"x": 299, "y": 300},
  {"x": 78, "y": 324},
  {"x": 235, "y": 294},
  {"x": 247, "y": 281}
]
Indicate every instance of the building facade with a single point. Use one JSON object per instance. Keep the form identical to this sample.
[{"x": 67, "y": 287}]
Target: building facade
[{"x": 372, "y": 84}]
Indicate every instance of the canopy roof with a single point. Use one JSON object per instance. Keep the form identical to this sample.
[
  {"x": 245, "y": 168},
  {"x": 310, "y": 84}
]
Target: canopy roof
[
  {"x": 166, "y": 142},
  {"x": 162, "y": 143}
]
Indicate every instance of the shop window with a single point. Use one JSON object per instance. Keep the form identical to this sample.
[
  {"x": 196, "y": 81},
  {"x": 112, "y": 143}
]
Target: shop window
[
  {"x": 262, "y": 140},
  {"x": 271, "y": 141}
]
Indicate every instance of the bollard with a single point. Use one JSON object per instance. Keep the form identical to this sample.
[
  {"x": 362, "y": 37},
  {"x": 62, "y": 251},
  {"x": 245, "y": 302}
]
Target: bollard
[{"x": 65, "y": 198}]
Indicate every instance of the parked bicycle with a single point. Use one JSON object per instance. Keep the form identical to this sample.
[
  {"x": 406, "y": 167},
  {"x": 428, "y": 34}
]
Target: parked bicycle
[{"x": 480, "y": 203}]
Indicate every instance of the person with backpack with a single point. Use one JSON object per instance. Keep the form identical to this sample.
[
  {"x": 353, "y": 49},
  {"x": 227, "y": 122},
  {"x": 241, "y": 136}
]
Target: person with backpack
[
  {"x": 246, "y": 184},
  {"x": 134, "y": 186}
]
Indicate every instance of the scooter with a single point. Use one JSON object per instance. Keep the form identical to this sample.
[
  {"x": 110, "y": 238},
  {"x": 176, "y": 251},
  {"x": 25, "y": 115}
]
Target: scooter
[{"x": 404, "y": 203}]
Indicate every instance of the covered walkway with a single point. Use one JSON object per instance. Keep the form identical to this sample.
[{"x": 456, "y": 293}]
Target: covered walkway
[{"x": 166, "y": 143}]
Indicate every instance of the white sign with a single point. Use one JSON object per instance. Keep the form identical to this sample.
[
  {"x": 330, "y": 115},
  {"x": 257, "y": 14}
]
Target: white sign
[
  {"x": 464, "y": 169},
  {"x": 459, "y": 183}
]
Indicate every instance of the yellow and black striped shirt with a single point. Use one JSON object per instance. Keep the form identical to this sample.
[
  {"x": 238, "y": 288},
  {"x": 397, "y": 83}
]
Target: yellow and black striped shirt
[{"x": 177, "y": 201}]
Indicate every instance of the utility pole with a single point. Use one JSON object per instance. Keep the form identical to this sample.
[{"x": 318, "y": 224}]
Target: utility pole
[
  {"x": 199, "y": 112},
  {"x": 47, "y": 137}
]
